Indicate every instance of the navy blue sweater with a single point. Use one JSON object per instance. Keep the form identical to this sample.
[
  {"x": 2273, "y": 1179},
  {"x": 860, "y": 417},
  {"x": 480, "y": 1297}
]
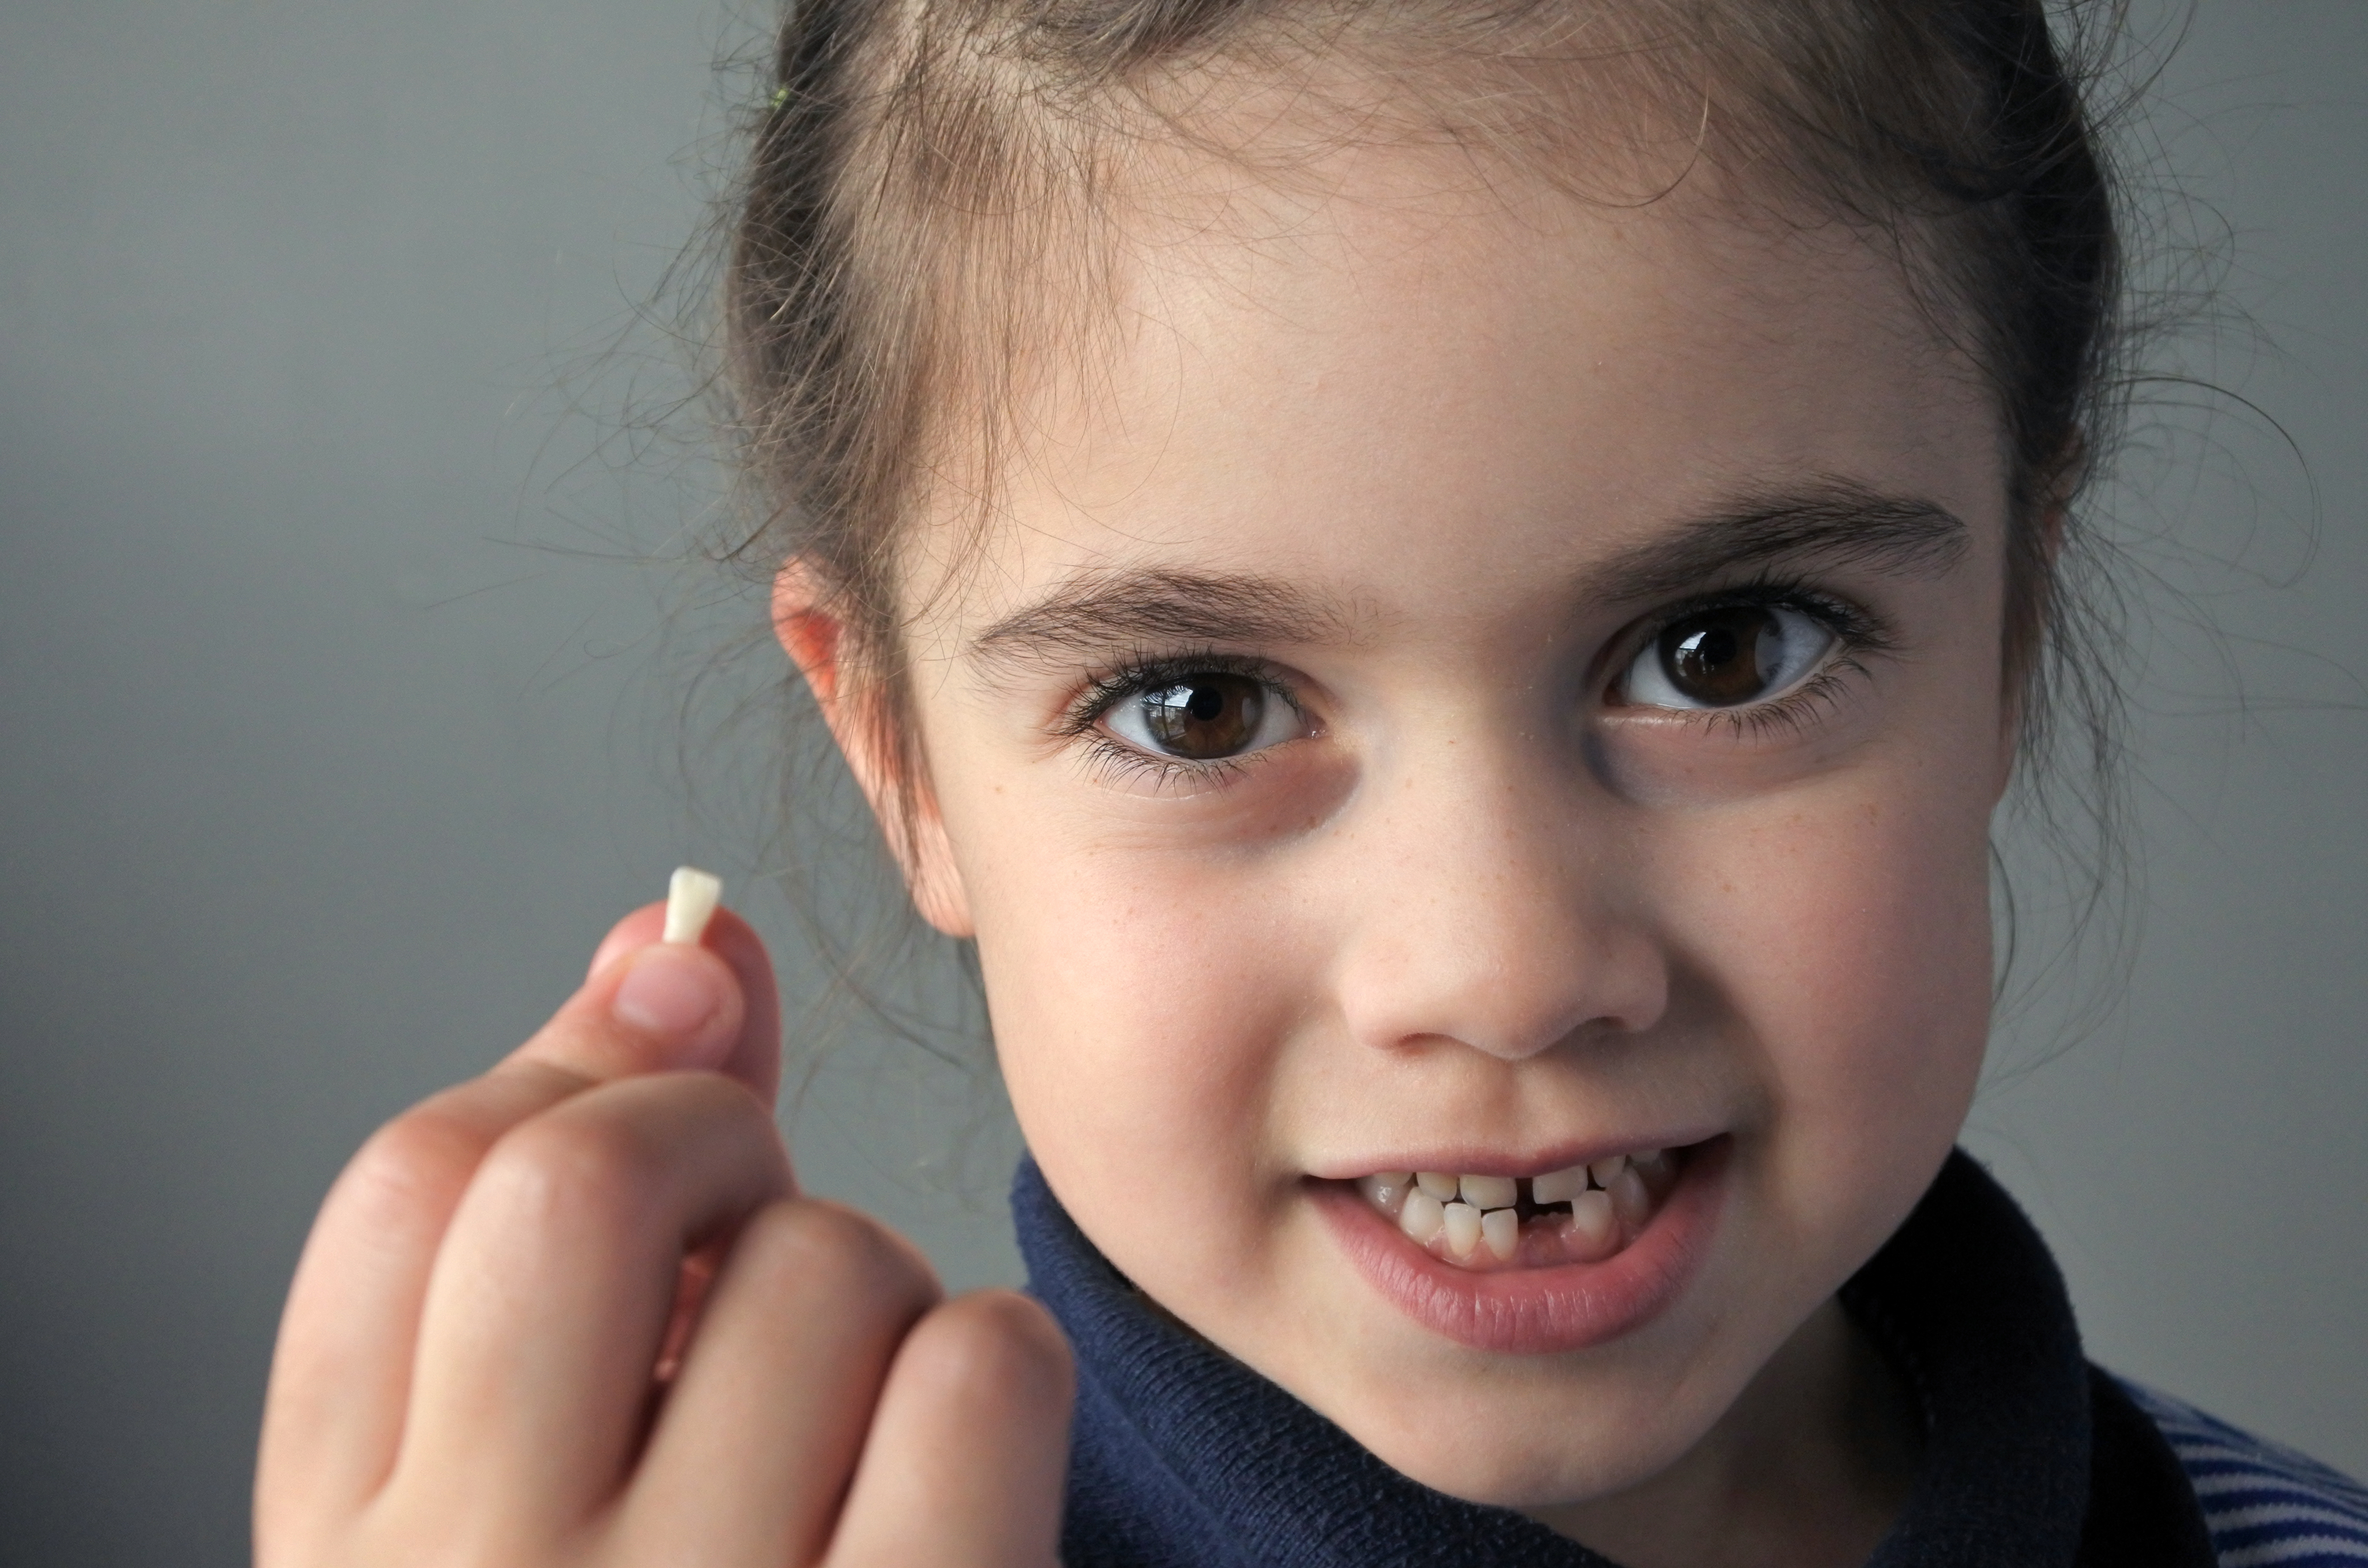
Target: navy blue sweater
[{"x": 1183, "y": 1456}]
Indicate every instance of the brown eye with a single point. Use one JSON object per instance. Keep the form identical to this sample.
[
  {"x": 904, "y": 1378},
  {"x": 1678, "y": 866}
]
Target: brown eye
[
  {"x": 1206, "y": 717},
  {"x": 1727, "y": 656}
]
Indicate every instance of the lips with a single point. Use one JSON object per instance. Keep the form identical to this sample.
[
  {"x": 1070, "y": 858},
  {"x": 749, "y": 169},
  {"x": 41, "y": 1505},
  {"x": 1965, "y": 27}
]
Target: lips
[{"x": 1536, "y": 1264}]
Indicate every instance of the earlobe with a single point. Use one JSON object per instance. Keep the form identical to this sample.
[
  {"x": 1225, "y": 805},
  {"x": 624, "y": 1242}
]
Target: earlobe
[
  {"x": 931, "y": 878},
  {"x": 809, "y": 634},
  {"x": 2010, "y": 748},
  {"x": 818, "y": 641},
  {"x": 2054, "y": 521}
]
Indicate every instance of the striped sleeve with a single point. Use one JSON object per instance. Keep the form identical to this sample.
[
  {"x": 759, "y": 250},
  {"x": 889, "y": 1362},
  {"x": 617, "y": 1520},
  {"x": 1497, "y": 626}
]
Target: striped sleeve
[{"x": 2267, "y": 1507}]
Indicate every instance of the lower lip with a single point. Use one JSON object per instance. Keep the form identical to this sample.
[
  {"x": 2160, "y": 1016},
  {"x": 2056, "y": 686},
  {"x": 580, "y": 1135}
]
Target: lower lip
[{"x": 1539, "y": 1311}]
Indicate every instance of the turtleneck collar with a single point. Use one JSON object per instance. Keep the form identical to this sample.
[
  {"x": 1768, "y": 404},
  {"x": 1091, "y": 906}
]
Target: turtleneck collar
[{"x": 1182, "y": 1456}]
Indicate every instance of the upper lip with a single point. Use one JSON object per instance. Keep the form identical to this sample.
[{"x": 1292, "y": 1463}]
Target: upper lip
[{"x": 1468, "y": 1160}]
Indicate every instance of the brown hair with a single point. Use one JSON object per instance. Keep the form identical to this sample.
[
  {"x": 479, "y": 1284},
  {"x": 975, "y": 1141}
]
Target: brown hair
[{"x": 895, "y": 209}]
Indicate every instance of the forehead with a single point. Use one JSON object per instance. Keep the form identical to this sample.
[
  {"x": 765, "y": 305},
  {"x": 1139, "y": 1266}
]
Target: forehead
[{"x": 1400, "y": 371}]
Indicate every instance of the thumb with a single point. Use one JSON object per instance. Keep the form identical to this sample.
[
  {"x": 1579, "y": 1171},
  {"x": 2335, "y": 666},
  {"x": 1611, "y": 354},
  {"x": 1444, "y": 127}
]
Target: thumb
[{"x": 653, "y": 1007}]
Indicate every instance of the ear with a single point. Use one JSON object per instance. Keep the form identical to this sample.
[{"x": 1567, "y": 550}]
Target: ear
[
  {"x": 2054, "y": 519},
  {"x": 818, "y": 642},
  {"x": 2065, "y": 478}
]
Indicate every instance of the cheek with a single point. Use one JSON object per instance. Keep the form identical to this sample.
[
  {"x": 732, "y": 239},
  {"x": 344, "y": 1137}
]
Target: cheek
[
  {"x": 1851, "y": 937},
  {"x": 1139, "y": 1000}
]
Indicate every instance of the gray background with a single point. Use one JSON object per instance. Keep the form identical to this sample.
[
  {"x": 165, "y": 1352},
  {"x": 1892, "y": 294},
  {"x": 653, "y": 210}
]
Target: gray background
[{"x": 337, "y": 722}]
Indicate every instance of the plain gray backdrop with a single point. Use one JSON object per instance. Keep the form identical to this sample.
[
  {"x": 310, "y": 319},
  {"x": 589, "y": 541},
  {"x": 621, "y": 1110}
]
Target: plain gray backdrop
[{"x": 336, "y": 720}]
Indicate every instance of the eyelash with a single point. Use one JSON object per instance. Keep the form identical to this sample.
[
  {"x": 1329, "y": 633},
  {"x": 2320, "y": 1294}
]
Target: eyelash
[
  {"x": 1110, "y": 756},
  {"x": 1856, "y": 631}
]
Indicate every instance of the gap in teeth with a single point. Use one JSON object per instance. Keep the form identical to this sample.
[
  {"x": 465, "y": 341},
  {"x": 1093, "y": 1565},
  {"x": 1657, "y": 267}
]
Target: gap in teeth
[{"x": 1468, "y": 1217}]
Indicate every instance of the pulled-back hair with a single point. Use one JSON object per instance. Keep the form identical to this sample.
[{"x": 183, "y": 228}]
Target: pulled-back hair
[{"x": 921, "y": 200}]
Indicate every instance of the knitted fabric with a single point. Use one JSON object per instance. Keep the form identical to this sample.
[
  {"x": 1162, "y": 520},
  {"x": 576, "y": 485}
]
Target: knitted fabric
[{"x": 1183, "y": 1458}]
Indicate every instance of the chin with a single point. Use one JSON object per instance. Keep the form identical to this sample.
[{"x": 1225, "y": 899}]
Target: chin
[{"x": 1538, "y": 1451}]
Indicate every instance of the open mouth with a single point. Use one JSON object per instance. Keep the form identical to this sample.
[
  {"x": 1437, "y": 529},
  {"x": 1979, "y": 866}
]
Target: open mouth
[{"x": 1583, "y": 1213}]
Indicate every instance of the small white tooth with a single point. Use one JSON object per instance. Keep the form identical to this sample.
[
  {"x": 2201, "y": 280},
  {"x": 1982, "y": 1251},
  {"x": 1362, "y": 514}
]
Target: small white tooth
[
  {"x": 1558, "y": 1187},
  {"x": 1421, "y": 1219},
  {"x": 1655, "y": 1166},
  {"x": 1490, "y": 1192},
  {"x": 1501, "y": 1229},
  {"x": 1606, "y": 1172},
  {"x": 1591, "y": 1218},
  {"x": 691, "y": 896},
  {"x": 1629, "y": 1200},
  {"x": 1463, "y": 1228},
  {"x": 1384, "y": 1190},
  {"x": 1440, "y": 1186}
]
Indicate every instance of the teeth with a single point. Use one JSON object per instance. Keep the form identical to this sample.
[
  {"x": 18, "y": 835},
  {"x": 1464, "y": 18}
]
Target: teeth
[
  {"x": 1558, "y": 1187},
  {"x": 1452, "y": 1217},
  {"x": 1490, "y": 1192},
  {"x": 1462, "y": 1229},
  {"x": 1629, "y": 1200},
  {"x": 1421, "y": 1219},
  {"x": 1501, "y": 1229},
  {"x": 1386, "y": 1190},
  {"x": 1591, "y": 1220}
]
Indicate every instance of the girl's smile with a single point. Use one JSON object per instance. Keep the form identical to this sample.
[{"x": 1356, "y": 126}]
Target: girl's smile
[
  {"x": 1533, "y": 1264},
  {"x": 1393, "y": 729}
]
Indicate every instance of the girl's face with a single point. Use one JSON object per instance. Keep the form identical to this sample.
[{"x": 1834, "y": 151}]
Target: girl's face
[{"x": 1475, "y": 683}]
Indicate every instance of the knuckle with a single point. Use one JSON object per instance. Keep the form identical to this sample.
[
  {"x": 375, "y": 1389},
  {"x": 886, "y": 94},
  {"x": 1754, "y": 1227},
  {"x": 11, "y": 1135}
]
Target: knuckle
[
  {"x": 995, "y": 1344},
  {"x": 834, "y": 1250},
  {"x": 702, "y": 1094},
  {"x": 562, "y": 1167},
  {"x": 608, "y": 1150},
  {"x": 420, "y": 1160},
  {"x": 681, "y": 1108},
  {"x": 424, "y": 1159}
]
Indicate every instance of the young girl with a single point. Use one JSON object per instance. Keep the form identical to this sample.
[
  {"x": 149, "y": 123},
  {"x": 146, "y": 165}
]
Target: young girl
[{"x": 1446, "y": 589}]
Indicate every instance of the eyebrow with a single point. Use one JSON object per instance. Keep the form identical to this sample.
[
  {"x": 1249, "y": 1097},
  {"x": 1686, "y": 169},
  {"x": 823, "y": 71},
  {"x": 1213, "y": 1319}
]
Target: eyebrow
[
  {"x": 1091, "y": 614},
  {"x": 1836, "y": 521}
]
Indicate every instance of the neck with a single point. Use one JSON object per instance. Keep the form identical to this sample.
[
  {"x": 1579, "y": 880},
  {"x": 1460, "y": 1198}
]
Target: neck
[{"x": 1808, "y": 1469}]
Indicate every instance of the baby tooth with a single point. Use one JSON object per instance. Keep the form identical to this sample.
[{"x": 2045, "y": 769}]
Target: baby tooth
[
  {"x": 1440, "y": 1186},
  {"x": 1501, "y": 1229},
  {"x": 1606, "y": 1172},
  {"x": 1591, "y": 1220},
  {"x": 1490, "y": 1192},
  {"x": 1629, "y": 1198},
  {"x": 1653, "y": 1164},
  {"x": 1559, "y": 1186},
  {"x": 1421, "y": 1219},
  {"x": 1384, "y": 1191},
  {"x": 1462, "y": 1229}
]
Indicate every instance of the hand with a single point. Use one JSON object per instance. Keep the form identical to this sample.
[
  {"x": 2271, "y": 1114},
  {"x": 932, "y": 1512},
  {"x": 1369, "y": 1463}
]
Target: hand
[{"x": 574, "y": 1312}]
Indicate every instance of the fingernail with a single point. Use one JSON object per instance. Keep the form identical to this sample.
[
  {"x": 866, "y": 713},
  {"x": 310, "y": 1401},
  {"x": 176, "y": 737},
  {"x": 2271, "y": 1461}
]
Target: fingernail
[{"x": 674, "y": 992}]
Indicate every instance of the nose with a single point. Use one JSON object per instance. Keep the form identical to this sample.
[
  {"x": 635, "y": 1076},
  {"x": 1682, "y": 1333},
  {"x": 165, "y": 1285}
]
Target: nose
[{"x": 1493, "y": 905}]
